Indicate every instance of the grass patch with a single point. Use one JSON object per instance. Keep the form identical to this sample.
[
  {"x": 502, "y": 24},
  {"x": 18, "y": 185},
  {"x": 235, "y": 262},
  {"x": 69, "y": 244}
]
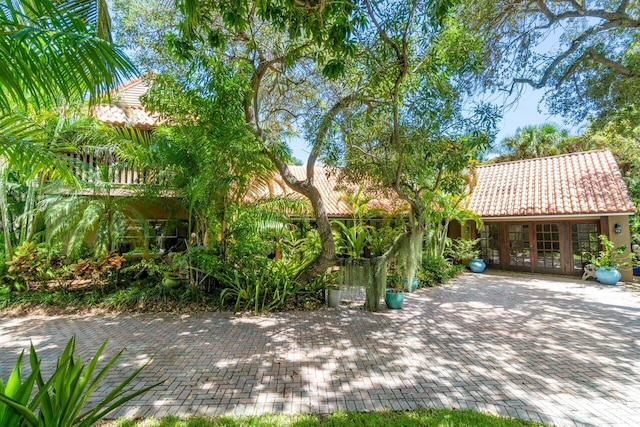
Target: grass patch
[{"x": 421, "y": 417}]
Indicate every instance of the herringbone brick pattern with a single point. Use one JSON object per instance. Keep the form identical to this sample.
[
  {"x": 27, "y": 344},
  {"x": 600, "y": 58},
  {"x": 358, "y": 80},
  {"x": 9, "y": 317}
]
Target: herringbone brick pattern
[{"x": 544, "y": 348}]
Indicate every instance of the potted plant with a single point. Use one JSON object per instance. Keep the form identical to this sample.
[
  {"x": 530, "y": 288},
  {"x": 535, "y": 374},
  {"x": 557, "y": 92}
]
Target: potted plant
[
  {"x": 333, "y": 289},
  {"x": 410, "y": 285},
  {"x": 607, "y": 262},
  {"x": 394, "y": 294},
  {"x": 477, "y": 265},
  {"x": 175, "y": 270},
  {"x": 466, "y": 252}
]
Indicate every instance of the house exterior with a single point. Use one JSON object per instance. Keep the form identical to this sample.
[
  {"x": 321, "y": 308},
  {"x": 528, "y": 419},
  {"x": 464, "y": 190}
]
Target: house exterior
[
  {"x": 539, "y": 215},
  {"x": 544, "y": 215},
  {"x": 333, "y": 189},
  {"x": 166, "y": 216}
]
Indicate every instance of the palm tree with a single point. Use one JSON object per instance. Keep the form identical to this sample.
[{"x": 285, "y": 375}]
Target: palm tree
[
  {"x": 534, "y": 141},
  {"x": 51, "y": 53}
]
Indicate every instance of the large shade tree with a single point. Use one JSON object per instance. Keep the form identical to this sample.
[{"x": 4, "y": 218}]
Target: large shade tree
[
  {"x": 383, "y": 69},
  {"x": 594, "y": 65},
  {"x": 412, "y": 136}
]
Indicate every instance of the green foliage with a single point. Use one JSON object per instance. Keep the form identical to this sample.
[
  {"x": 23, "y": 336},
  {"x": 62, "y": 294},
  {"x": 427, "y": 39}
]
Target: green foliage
[
  {"x": 394, "y": 281},
  {"x": 3, "y": 265},
  {"x": 299, "y": 246},
  {"x": 610, "y": 256},
  {"x": 351, "y": 240},
  {"x": 382, "y": 235},
  {"x": 101, "y": 221},
  {"x": 261, "y": 285},
  {"x": 328, "y": 27},
  {"x": 64, "y": 51},
  {"x": 535, "y": 141},
  {"x": 620, "y": 133},
  {"x": 34, "y": 263},
  {"x": 61, "y": 400},
  {"x": 464, "y": 250},
  {"x": 421, "y": 417},
  {"x": 209, "y": 156},
  {"x": 435, "y": 271},
  {"x": 18, "y": 391},
  {"x": 592, "y": 69}
]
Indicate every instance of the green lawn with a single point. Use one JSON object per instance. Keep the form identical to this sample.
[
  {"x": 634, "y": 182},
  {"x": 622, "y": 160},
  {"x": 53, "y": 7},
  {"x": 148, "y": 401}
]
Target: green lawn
[{"x": 422, "y": 417}]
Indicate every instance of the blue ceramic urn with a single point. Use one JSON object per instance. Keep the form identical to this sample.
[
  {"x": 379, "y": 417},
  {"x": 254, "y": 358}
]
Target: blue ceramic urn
[
  {"x": 477, "y": 265},
  {"x": 608, "y": 276}
]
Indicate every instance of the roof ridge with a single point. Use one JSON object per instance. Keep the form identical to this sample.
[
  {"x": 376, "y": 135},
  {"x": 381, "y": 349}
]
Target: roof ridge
[{"x": 576, "y": 153}]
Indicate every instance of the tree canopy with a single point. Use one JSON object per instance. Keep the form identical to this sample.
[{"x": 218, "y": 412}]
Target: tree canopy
[{"x": 593, "y": 69}]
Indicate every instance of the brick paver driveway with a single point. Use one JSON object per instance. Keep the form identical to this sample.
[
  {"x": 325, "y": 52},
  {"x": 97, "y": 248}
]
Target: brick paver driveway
[{"x": 544, "y": 348}]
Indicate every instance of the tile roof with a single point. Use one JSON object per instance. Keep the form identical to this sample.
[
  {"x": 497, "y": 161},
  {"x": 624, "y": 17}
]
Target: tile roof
[
  {"x": 332, "y": 189},
  {"x": 571, "y": 184},
  {"x": 125, "y": 108}
]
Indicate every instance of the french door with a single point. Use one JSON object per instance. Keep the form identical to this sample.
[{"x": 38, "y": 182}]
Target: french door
[{"x": 535, "y": 247}]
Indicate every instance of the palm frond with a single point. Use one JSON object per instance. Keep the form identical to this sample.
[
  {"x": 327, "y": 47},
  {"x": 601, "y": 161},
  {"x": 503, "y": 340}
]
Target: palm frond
[
  {"x": 25, "y": 147},
  {"x": 51, "y": 51}
]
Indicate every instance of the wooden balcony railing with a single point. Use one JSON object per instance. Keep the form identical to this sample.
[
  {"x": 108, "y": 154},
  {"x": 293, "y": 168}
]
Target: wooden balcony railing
[{"x": 88, "y": 167}]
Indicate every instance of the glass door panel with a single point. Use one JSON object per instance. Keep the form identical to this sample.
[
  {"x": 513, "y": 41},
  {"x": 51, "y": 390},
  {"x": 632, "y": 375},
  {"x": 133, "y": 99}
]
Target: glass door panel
[
  {"x": 519, "y": 245},
  {"x": 490, "y": 244},
  {"x": 548, "y": 254},
  {"x": 584, "y": 241}
]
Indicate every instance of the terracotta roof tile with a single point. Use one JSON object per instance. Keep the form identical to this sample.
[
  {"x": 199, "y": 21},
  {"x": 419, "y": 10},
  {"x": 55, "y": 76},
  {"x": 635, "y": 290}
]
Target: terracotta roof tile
[
  {"x": 332, "y": 190},
  {"x": 125, "y": 108},
  {"x": 571, "y": 184},
  {"x": 128, "y": 116}
]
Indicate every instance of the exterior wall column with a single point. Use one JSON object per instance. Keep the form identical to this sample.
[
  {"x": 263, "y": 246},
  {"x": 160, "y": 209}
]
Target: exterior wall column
[{"x": 622, "y": 239}]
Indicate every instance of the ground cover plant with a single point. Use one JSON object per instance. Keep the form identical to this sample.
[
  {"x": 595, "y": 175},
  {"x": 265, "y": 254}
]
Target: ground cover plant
[{"x": 421, "y": 417}]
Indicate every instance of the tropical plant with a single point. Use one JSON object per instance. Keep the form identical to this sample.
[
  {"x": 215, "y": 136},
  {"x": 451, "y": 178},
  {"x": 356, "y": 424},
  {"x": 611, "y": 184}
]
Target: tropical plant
[
  {"x": 33, "y": 264},
  {"x": 354, "y": 237},
  {"x": 257, "y": 284},
  {"x": 61, "y": 400},
  {"x": 394, "y": 281},
  {"x": 610, "y": 256},
  {"x": 54, "y": 53},
  {"x": 65, "y": 54},
  {"x": 435, "y": 271},
  {"x": 464, "y": 250},
  {"x": 100, "y": 220},
  {"x": 534, "y": 141}
]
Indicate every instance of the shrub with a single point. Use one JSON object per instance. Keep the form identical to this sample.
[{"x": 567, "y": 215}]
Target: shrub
[
  {"x": 32, "y": 264},
  {"x": 464, "y": 250},
  {"x": 435, "y": 271},
  {"x": 260, "y": 284}
]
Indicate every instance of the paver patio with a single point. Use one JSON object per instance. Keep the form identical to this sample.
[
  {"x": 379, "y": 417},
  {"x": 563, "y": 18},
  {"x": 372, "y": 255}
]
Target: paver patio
[{"x": 545, "y": 348}]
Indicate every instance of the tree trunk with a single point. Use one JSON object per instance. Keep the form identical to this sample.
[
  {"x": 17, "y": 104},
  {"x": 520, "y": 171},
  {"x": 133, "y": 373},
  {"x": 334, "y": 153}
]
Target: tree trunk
[{"x": 327, "y": 257}]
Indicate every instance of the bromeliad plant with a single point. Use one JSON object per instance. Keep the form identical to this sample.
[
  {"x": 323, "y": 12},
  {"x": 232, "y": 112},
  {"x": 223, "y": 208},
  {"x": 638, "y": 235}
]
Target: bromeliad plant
[{"x": 61, "y": 400}]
